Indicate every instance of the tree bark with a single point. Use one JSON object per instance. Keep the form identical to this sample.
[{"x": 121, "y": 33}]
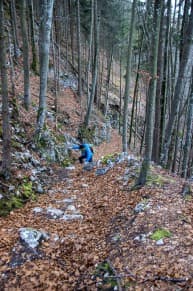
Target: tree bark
[
  {"x": 79, "y": 51},
  {"x": 34, "y": 64},
  {"x": 128, "y": 79},
  {"x": 187, "y": 145},
  {"x": 150, "y": 113},
  {"x": 26, "y": 68},
  {"x": 44, "y": 47},
  {"x": 6, "y": 156},
  {"x": 185, "y": 56},
  {"x": 95, "y": 71}
]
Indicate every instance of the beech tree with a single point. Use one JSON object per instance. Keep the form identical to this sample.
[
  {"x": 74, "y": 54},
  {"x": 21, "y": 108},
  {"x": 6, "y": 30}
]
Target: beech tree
[
  {"x": 44, "y": 46},
  {"x": 185, "y": 53},
  {"x": 187, "y": 145},
  {"x": 6, "y": 159},
  {"x": 150, "y": 107},
  {"x": 128, "y": 79},
  {"x": 95, "y": 69},
  {"x": 24, "y": 29}
]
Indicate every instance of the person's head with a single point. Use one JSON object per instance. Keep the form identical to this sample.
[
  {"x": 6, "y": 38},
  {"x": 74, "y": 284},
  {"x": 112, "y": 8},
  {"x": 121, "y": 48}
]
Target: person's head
[{"x": 81, "y": 146}]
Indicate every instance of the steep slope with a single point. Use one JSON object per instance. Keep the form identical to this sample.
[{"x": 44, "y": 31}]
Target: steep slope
[{"x": 109, "y": 242}]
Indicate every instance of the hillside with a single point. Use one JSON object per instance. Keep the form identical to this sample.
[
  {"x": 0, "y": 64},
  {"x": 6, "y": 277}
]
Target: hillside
[
  {"x": 70, "y": 226},
  {"x": 98, "y": 233},
  {"x": 109, "y": 240}
]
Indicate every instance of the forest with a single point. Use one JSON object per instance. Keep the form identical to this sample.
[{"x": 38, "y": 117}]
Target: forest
[{"x": 116, "y": 75}]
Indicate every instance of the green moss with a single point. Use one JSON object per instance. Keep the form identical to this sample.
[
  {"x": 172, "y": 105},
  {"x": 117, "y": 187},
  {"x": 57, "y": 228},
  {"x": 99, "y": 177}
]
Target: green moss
[
  {"x": 155, "y": 179},
  {"x": 160, "y": 234},
  {"x": 27, "y": 191},
  {"x": 87, "y": 133},
  {"x": 6, "y": 205},
  {"x": 60, "y": 138},
  {"x": 66, "y": 162},
  {"x": 111, "y": 157},
  {"x": 15, "y": 144}
]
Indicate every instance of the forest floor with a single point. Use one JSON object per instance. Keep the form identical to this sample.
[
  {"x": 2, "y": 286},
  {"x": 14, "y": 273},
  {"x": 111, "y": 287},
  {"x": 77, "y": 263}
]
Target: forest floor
[
  {"x": 114, "y": 246},
  {"x": 111, "y": 247}
]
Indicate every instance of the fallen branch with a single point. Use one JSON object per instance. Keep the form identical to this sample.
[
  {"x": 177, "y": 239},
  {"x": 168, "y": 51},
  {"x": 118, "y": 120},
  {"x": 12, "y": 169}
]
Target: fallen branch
[{"x": 167, "y": 279}]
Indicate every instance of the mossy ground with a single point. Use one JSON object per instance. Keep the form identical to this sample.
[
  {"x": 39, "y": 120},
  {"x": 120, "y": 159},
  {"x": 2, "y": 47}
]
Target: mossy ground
[
  {"x": 111, "y": 157},
  {"x": 160, "y": 234},
  {"x": 8, "y": 203}
]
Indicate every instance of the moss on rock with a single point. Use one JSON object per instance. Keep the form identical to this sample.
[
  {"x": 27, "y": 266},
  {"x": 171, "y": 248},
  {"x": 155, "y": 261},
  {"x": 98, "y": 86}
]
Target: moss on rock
[{"x": 8, "y": 204}]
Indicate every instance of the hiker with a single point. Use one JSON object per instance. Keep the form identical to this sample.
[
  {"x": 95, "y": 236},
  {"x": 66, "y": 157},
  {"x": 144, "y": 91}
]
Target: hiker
[{"x": 86, "y": 152}]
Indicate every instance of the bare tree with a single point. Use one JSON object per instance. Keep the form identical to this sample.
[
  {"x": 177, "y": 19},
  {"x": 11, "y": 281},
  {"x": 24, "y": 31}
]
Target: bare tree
[
  {"x": 6, "y": 160},
  {"x": 150, "y": 111},
  {"x": 44, "y": 47},
  {"x": 187, "y": 35},
  {"x": 24, "y": 30},
  {"x": 128, "y": 78}
]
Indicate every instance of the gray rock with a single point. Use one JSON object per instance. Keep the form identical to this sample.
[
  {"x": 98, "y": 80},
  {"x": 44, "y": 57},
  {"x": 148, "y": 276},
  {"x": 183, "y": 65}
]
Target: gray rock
[
  {"x": 39, "y": 188},
  {"x": 141, "y": 237},
  {"x": 38, "y": 210},
  {"x": 34, "y": 172},
  {"x": 11, "y": 188},
  {"x": 88, "y": 166},
  {"x": 35, "y": 162},
  {"x": 70, "y": 168},
  {"x": 84, "y": 185},
  {"x": 68, "y": 200},
  {"x": 32, "y": 178},
  {"x": 31, "y": 236},
  {"x": 71, "y": 208},
  {"x": 102, "y": 171},
  {"x": 160, "y": 242},
  {"x": 68, "y": 217},
  {"x": 54, "y": 213},
  {"x": 141, "y": 207}
]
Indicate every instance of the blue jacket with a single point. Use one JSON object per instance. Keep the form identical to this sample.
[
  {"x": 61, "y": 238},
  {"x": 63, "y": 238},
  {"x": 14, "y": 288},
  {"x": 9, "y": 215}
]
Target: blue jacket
[{"x": 85, "y": 149}]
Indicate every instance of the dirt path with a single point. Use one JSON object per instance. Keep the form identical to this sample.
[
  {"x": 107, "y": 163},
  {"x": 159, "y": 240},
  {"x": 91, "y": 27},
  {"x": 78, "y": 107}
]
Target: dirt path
[{"x": 109, "y": 230}]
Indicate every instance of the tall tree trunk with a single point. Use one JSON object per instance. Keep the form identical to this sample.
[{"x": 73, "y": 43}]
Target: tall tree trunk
[
  {"x": 128, "y": 78},
  {"x": 24, "y": 30},
  {"x": 109, "y": 66},
  {"x": 188, "y": 140},
  {"x": 135, "y": 94},
  {"x": 6, "y": 158},
  {"x": 14, "y": 29},
  {"x": 164, "y": 86},
  {"x": 185, "y": 56},
  {"x": 90, "y": 50},
  {"x": 34, "y": 64},
  {"x": 156, "y": 135},
  {"x": 120, "y": 90},
  {"x": 44, "y": 47},
  {"x": 150, "y": 113},
  {"x": 79, "y": 51},
  {"x": 95, "y": 70},
  {"x": 71, "y": 30}
]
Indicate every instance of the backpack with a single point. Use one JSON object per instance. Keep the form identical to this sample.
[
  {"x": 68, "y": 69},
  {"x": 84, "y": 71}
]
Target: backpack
[{"x": 91, "y": 148}]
